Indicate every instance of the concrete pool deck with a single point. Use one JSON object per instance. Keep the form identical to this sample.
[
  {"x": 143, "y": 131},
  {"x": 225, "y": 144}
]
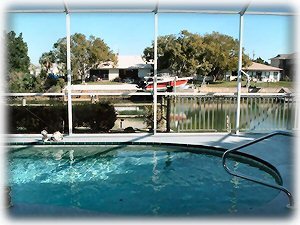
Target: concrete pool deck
[
  {"x": 221, "y": 140},
  {"x": 277, "y": 150}
]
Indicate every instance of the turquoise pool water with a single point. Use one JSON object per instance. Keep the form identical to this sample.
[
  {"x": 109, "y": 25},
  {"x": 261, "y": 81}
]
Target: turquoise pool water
[{"x": 133, "y": 181}]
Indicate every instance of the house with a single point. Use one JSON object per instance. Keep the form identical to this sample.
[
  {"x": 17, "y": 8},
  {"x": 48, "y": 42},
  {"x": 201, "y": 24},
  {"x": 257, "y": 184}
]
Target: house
[
  {"x": 34, "y": 70},
  {"x": 127, "y": 68},
  {"x": 276, "y": 90},
  {"x": 287, "y": 63},
  {"x": 262, "y": 72}
]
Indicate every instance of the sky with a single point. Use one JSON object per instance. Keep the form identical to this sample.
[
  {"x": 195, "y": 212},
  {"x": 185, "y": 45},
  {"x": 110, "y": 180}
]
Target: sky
[{"x": 129, "y": 34}]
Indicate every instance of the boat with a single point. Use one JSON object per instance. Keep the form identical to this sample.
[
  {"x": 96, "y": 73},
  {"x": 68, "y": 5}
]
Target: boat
[{"x": 164, "y": 82}]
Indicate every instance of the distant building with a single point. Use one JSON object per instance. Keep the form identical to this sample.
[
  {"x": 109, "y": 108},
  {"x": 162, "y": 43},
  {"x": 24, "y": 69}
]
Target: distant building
[
  {"x": 55, "y": 69},
  {"x": 34, "y": 70},
  {"x": 262, "y": 72},
  {"x": 128, "y": 67},
  {"x": 287, "y": 63}
]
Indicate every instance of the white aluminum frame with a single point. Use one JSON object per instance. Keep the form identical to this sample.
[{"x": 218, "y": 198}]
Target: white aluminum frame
[{"x": 155, "y": 11}]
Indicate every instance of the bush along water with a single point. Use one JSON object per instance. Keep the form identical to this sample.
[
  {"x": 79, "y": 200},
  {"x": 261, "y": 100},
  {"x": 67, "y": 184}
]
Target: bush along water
[{"x": 99, "y": 117}]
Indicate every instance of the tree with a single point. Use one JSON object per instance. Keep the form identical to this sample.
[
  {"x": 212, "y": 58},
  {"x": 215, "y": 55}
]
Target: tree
[
  {"x": 46, "y": 61},
  {"x": 178, "y": 54},
  {"x": 24, "y": 82},
  {"x": 260, "y": 60},
  {"x": 192, "y": 49},
  {"x": 19, "y": 79},
  {"x": 188, "y": 54},
  {"x": 17, "y": 53},
  {"x": 86, "y": 54},
  {"x": 221, "y": 52}
]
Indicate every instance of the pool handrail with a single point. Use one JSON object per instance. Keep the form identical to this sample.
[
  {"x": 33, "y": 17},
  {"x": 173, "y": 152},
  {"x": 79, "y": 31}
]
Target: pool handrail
[{"x": 249, "y": 178}]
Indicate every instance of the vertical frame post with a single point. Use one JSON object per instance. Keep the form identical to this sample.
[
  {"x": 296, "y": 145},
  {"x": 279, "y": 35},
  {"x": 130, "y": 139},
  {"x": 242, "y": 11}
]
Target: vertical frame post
[
  {"x": 238, "y": 109},
  {"x": 70, "y": 119},
  {"x": 155, "y": 74}
]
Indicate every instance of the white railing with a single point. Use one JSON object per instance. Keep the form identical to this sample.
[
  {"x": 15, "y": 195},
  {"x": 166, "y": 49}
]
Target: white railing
[{"x": 204, "y": 112}]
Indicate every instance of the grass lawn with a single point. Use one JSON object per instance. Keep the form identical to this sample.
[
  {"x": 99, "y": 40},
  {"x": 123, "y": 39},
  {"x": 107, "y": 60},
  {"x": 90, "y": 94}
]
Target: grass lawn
[{"x": 287, "y": 84}]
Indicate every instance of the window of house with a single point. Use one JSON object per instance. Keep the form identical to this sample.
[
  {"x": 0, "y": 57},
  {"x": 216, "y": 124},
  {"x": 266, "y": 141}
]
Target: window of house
[{"x": 276, "y": 75}]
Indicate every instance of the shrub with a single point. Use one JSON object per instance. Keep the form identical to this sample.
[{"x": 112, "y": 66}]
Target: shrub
[
  {"x": 99, "y": 117},
  {"x": 149, "y": 118},
  {"x": 129, "y": 130},
  {"x": 117, "y": 79},
  {"x": 34, "y": 119}
]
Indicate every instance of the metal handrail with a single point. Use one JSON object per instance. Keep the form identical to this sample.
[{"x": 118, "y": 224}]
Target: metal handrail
[{"x": 278, "y": 187}]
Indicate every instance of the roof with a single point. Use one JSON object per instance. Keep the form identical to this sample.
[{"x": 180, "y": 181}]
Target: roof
[
  {"x": 270, "y": 7},
  {"x": 285, "y": 56},
  {"x": 260, "y": 67},
  {"x": 276, "y": 90},
  {"x": 129, "y": 62}
]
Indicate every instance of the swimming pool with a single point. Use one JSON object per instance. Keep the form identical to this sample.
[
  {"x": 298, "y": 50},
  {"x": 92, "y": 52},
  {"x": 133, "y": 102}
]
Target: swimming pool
[{"x": 133, "y": 180}]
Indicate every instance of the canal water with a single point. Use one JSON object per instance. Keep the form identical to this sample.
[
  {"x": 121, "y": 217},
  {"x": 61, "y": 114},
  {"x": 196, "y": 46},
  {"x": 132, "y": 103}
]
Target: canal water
[
  {"x": 218, "y": 114},
  {"x": 183, "y": 113}
]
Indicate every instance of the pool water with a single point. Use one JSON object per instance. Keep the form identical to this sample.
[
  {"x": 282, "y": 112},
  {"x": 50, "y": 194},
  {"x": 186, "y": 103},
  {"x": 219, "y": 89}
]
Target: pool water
[{"x": 134, "y": 180}]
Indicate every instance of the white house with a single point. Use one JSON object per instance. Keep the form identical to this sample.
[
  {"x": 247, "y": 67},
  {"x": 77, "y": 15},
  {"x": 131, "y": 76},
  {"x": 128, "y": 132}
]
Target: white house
[
  {"x": 262, "y": 72},
  {"x": 128, "y": 67},
  {"x": 34, "y": 70}
]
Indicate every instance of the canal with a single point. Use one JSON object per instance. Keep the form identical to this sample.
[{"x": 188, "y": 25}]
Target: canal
[{"x": 175, "y": 114}]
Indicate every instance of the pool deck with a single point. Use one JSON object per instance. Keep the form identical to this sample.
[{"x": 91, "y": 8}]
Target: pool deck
[
  {"x": 221, "y": 140},
  {"x": 277, "y": 150}
]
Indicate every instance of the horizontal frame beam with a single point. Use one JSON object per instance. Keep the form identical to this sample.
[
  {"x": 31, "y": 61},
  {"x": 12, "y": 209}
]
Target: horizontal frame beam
[
  {"x": 152, "y": 11},
  {"x": 149, "y": 93},
  {"x": 32, "y": 94}
]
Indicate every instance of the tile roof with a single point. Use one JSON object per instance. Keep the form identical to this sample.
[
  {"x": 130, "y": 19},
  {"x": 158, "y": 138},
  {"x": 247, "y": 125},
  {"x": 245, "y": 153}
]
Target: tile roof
[
  {"x": 128, "y": 62},
  {"x": 260, "y": 67}
]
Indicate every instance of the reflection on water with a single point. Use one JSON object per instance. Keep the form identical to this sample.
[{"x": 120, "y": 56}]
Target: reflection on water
[
  {"x": 218, "y": 114},
  {"x": 133, "y": 180},
  {"x": 194, "y": 114},
  {"x": 168, "y": 161}
]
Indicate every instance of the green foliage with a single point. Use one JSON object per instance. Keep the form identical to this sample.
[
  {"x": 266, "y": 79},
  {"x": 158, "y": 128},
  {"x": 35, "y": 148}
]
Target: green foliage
[
  {"x": 99, "y": 117},
  {"x": 260, "y": 60},
  {"x": 17, "y": 53},
  {"x": 46, "y": 61},
  {"x": 188, "y": 54},
  {"x": 34, "y": 119},
  {"x": 20, "y": 82},
  {"x": 149, "y": 117},
  {"x": 178, "y": 54},
  {"x": 54, "y": 85},
  {"x": 18, "y": 62},
  {"x": 221, "y": 51},
  {"x": 117, "y": 79},
  {"x": 85, "y": 55}
]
